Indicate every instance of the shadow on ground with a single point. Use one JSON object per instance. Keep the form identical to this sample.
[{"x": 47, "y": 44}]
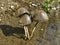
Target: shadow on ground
[{"x": 10, "y": 31}]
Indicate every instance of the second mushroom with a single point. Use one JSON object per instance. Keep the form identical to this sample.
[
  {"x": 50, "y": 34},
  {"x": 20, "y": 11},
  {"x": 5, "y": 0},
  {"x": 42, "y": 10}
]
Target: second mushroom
[{"x": 25, "y": 20}]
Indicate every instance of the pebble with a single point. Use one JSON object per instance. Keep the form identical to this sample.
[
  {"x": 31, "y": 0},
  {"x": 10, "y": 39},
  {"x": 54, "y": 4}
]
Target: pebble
[
  {"x": 12, "y": 6},
  {"x": 34, "y": 5},
  {"x": 42, "y": 29},
  {"x": 2, "y": 8},
  {"x": 0, "y": 19}
]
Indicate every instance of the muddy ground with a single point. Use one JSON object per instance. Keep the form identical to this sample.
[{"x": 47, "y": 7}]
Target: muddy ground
[{"x": 11, "y": 32}]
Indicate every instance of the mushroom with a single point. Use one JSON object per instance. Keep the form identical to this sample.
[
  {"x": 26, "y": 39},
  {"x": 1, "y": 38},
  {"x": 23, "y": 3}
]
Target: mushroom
[
  {"x": 21, "y": 11},
  {"x": 25, "y": 21},
  {"x": 41, "y": 16}
]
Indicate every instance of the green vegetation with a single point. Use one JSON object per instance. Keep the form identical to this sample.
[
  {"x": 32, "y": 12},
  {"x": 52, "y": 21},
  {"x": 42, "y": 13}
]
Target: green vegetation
[{"x": 47, "y": 6}]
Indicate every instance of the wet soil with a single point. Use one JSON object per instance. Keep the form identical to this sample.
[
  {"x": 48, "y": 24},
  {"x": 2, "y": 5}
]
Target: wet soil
[{"x": 12, "y": 33}]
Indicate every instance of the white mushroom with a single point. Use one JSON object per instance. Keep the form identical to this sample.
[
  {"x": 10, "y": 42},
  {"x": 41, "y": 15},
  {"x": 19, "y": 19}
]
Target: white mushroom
[
  {"x": 25, "y": 20},
  {"x": 40, "y": 17}
]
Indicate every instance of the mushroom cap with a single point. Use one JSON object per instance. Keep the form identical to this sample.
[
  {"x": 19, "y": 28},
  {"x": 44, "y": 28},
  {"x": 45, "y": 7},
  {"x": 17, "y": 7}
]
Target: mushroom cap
[
  {"x": 22, "y": 11},
  {"x": 25, "y": 20},
  {"x": 41, "y": 16}
]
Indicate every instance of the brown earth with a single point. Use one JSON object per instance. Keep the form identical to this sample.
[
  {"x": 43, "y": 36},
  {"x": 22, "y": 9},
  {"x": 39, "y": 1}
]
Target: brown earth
[{"x": 11, "y": 32}]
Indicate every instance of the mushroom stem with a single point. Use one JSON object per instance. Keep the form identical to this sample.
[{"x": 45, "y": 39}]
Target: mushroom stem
[
  {"x": 26, "y": 31},
  {"x": 33, "y": 32},
  {"x": 34, "y": 29}
]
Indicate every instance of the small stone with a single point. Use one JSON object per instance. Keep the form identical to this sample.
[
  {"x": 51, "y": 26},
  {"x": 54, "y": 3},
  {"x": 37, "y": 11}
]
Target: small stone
[
  {"x": 30, "y": 2},
  {"x": 34, "y": 5},
  {"x": 2, "y": 5},
  {"x": 2, "y": 8},
  {"x": 42, "y": 29},
  {"x": 12, "y": 6},
  {"x": 0, "y": 20}
]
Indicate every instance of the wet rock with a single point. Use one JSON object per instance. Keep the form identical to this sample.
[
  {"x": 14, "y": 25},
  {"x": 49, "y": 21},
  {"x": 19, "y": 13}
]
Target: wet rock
[
  {"x": 58, "y": 33},
  {"x": 50, "y": 34}
]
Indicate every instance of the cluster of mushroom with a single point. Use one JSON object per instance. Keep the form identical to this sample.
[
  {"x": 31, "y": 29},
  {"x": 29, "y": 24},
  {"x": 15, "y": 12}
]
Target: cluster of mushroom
[{"x": 25, "y": 20}]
